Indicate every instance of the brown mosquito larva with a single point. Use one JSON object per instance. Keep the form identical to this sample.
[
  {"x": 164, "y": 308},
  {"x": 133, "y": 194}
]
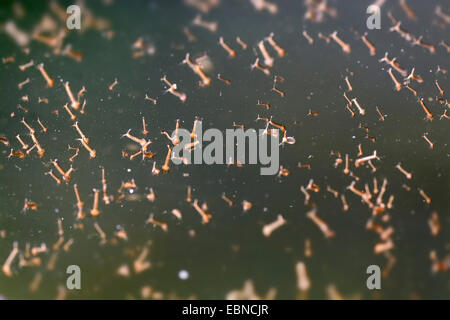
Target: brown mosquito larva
[
  {"x": 226, "y": 47},
  {"x": 44, "y": 73}
]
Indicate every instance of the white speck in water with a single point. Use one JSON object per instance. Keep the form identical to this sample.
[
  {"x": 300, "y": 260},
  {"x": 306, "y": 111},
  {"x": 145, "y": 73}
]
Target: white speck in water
[
  {"x": 128, "y": 170},
  {"x": 183, "y": 275}
]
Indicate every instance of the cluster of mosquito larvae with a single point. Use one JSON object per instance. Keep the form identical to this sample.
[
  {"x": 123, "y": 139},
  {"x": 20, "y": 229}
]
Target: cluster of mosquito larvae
[
  {"x": 367, "y": 195},
  {"x": 142, "y": 142},
  {"x": 206, "y": 217},
  {"x": 269, "y": 121},
  {"x": 64, "y": 174},
  {"x": 84, "y": 141},
  {"x": 354, "y": 102},
  {"x": 267, "y": 59},
  {"x": 74, "y": 103},
  {"x": 393, "y": 64},
  {"x": 36, "y": 145}
]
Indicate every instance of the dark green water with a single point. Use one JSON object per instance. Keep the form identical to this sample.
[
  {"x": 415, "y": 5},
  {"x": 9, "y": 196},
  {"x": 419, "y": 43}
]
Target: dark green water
[{"x": 231, "y": 248}]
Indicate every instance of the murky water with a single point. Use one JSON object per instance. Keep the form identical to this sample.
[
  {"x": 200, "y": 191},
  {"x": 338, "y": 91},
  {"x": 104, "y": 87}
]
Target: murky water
[{"x": 221, "y": 255}]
